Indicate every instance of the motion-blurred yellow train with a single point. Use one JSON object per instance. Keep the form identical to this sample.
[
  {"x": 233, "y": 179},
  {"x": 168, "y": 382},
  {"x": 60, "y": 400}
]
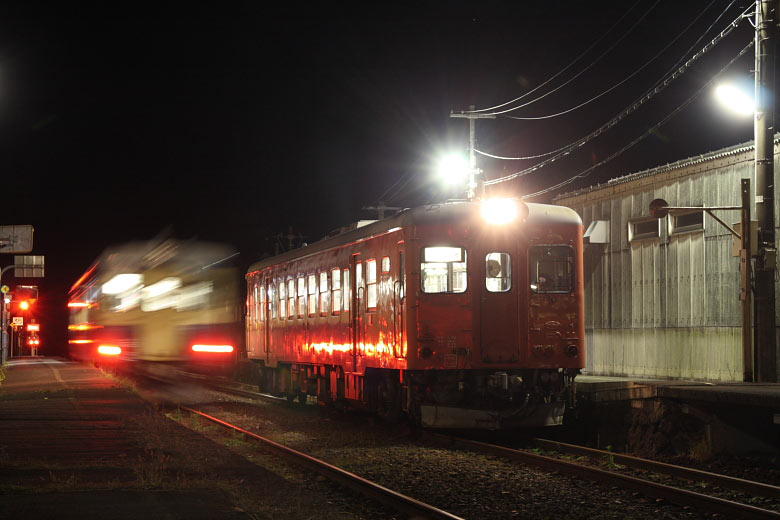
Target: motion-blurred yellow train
[{"x": 157, "y": 306}]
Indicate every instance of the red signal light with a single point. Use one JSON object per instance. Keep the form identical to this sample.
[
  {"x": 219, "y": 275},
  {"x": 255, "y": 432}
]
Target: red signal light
[
  {"x": 109, "y": 350},
  {"x": 24, "y": 305},
  {"x": 212, "y": 348}
]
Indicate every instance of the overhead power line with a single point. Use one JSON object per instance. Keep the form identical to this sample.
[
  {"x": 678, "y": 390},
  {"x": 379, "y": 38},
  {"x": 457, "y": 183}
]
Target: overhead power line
[
  {"x": 627, "y": 111},
  {"x": 597, "y": 132},
  {"x": 649, "y": 131},
  {"x": 608, "y": 90},
  {"x": 578, "y": 58}
]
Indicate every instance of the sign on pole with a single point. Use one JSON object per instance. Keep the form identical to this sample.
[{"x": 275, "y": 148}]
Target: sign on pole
[
  {"x": 18, "y": 321},
  {"x": 16, "y": 239},
  {"x": 29, "y": 266}
]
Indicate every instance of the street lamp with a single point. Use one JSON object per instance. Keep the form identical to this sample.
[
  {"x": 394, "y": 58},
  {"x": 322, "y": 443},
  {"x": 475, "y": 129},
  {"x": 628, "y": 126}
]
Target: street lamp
[
  {"x": 454, "y": 169},
  {"x": 735, "y": 99}
]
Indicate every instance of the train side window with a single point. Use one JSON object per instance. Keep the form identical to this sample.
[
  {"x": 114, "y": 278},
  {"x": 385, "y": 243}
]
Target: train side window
[
  {"x": 272, "y": 300},
  {"x": 552, "y": 269},
  {"x": 498, "y": 272},
  {"x": 359, "y": 283},
  {"x": 385, "y": 265},
  {"x": 260, "y": 301},
  {"x": 290, "y": 299},
  {"x": 371, "y": 289},
  {"x": 312, "y": 295},
  {"x": 443, "y": 270},
  {"x": 282, "y": 300},
  {"x": 335, "y": 285},
  {"x": 301, "y": 297},
  {"x": 347, "y": 290},
  {"x": 324, "y": 295},
  {"x": 250, "y": 303}
]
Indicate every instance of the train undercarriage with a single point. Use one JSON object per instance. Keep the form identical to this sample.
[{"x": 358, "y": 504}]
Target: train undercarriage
[{"x": 473, "y": 399}]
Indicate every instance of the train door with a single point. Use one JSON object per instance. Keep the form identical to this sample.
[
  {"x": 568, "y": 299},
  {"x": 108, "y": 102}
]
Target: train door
[
  {"x": 498, "y": 292},
  {"x": 399, "y": 302},
  {"x": 355, "y": 312},
  {"x": 268, "y": 302}
]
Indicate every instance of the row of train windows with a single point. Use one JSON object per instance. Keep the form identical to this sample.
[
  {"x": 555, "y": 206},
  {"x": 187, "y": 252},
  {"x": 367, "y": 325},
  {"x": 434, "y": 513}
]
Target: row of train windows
[
  {"x": 323, "y": 294},
  {"x": 551, "y": 270},
  {"x": 442, "y": 270}
]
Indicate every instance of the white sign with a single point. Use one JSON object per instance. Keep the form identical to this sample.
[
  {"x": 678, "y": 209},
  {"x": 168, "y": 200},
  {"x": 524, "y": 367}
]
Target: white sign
[{"x": 18, "y": 321}]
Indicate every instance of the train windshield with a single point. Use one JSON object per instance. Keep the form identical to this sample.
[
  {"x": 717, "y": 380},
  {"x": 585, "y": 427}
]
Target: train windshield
[
  {"x": 443, "y": 270},
  {"x": 551, "y": 269}
]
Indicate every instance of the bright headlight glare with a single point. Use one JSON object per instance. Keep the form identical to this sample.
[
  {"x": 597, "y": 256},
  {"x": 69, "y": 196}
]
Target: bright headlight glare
[
  {"x": 499, "y": 211},
  {"x": 735, "y": 99},
  {"x": 453, "y": 169}
]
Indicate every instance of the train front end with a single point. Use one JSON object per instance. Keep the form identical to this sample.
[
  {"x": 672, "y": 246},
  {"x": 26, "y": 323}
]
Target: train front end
[{"x": 499, "y": 315}]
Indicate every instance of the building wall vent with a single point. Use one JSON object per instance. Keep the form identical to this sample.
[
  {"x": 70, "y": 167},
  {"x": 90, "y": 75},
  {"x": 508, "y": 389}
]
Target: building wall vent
[{"x": 597, "y": 232}]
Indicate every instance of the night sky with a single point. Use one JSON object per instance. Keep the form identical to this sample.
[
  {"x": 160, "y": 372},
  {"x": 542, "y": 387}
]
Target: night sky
[{"x": 234, "y": 121}]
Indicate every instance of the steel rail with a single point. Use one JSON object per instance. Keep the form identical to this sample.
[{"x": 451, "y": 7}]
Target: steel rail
[
  {"x": 725, "y": 481},
  {"x": 679, "y": 496},
  {"x": 393, "y": 499}
]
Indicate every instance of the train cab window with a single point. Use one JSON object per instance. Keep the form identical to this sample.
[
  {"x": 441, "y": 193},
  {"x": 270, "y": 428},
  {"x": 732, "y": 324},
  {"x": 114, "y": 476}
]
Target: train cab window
[
  {"x": 290, "y": 299},
  {"x": 301, "y": 297},
  {"x": 335, "y": 285},
  {"x": 385, "y": 265},
  {"x": 282, "y": 300},
  {"x": 498, "y": 272},
  {"x": 312, "y": 295},
  {"x": 551, "y": 269},
  {"x": 347, "y": 291},
  {"x": 324, "y": 295},
  {"x": 443, "y": 270},
  {"x": 371, "y": 289}
]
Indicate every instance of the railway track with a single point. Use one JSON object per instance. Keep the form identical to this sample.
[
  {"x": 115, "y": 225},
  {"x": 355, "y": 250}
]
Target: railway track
[
  {"x": 388, "y": 497},
  {"x": 728, "y": 508},
  {"x": 724, "y": 481},
  {"x": 672, "y": 494}
]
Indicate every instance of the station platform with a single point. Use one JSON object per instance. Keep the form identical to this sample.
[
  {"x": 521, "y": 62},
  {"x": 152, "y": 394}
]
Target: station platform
[
  {"x": 737, "y": 418},
  {"x": 72, "y": 445},
  {"x": 604, "y": 388}
]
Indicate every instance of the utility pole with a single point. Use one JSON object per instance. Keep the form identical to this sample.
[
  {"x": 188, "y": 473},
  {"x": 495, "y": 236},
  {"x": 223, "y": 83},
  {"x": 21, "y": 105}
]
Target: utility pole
[
  {"x": 765, "y": 267},
  {"x": 473, "y": 170}
]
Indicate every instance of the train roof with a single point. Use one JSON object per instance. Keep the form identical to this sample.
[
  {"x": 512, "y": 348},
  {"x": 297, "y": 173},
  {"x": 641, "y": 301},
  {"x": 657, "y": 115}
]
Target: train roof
[
  {"x": 544, "y": 214},
  {"x": 139, "y": 256}
]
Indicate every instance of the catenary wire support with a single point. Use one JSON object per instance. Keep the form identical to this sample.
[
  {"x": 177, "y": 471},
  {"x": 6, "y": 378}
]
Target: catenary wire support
[{"x": 473, "y": 170}]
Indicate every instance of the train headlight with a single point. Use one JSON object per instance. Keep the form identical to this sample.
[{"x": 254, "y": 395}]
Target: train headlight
[{"x": 499, "y": 211}]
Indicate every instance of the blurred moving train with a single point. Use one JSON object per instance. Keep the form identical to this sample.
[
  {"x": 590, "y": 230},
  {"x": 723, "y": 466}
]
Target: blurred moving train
[
  {"x": 157, "y": 306},
  {"x": 465, "y": 314},
  {"x": 461, "y": 315}
]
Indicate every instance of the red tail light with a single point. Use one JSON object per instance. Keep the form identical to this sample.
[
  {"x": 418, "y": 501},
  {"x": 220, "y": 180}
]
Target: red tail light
[
  {"x": 212, "y": 348},
  {"x": 109, "y": 350}
]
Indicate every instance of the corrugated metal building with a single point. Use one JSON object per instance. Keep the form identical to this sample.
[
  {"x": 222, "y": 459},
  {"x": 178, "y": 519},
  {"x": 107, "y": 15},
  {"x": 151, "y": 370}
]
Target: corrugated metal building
[{"x": 662, "y": 296}]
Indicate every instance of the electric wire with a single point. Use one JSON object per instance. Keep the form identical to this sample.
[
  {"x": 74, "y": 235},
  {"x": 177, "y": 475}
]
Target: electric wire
[
  {"x": 625, "y": 112},
  {"x": 605, "y": 92},
  {"x": 648, "y": 132},
  {"x": 620, "y": 115},
  {"x": 578, "y": 58}
]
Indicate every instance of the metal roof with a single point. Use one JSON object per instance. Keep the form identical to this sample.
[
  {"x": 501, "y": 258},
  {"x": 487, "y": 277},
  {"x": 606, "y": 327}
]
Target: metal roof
[{"x": 683, "y": 163}]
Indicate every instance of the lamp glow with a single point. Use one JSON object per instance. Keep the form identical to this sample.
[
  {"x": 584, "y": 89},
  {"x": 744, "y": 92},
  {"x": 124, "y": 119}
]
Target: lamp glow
[
  {"x": 499, "y": 211},
  {"x": 109, "y": 350},
  {"x": 453, "y": 169},
  {"x": 735, "y": 99},
  {"x": 121, "y": 283}
]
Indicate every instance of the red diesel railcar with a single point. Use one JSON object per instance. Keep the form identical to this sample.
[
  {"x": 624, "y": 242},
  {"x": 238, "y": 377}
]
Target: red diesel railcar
[{"x": 462, "y": 314}]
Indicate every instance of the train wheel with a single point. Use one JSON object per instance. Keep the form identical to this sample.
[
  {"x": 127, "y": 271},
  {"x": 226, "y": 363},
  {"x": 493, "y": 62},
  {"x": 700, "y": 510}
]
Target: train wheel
[{"x": 389, "y": 400}]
